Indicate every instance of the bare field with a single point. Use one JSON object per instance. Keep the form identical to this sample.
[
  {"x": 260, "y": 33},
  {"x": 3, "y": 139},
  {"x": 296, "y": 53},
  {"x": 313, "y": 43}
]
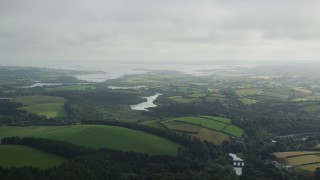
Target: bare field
[
  {"x": 211, "y": 136},
  {"x": 180, "y": 126},
  {"x": 283, "y": 155}
]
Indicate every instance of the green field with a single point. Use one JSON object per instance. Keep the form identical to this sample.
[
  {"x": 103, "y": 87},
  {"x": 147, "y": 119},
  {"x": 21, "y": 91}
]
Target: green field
[
  {"x": 98, "y": 136},
  {"x": 220, "y": 119},
  {"x": 215, "y": 123},
  {"x": 234, "y": 130},
  {"x": 49, "y": 106},
  {"x": 19, "y": 156},
  {"x": 47, "y": 109}
]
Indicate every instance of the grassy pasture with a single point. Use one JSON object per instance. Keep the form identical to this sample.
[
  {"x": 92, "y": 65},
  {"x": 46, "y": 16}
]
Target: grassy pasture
[
  {"x": 47, "y": 109},
  {"x": 234, "y": 130},
  {"x": 220, "y": 119},
  {"x": 49, "y": 106},
  {"x": 98, "y": 136},
  {"x": 19, "y": 156}
]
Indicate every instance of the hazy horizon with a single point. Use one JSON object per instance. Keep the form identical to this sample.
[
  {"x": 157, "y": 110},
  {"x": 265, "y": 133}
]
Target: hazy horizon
[{"x": 155, "y": 32}]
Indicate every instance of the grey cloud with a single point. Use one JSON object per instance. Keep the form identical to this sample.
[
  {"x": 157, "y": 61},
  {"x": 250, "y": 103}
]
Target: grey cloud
[{"x": 154, "y": 30}]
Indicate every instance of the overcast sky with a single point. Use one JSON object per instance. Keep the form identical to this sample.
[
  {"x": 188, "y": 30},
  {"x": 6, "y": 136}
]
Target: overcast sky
[{"x": 159, "y": 30}]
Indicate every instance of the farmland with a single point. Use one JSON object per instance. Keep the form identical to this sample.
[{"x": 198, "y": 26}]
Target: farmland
[
  {"x": 211, "y": 124},
  {"x": 155, "y": 124},
  {"x": 211, "y": 136},
  {"x": 184, "y": 127},
  {"x": 204, "y": 125},
  {"x": 306, "y": 160},
  {"x": 19, "y": 156},
  {"x": 49, "y": 106},
  {"x": 109, "y": 137}
]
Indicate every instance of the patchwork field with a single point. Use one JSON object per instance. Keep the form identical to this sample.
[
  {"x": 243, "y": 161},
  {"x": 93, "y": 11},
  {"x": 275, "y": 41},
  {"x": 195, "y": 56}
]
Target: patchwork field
[
  {"x": 306, "y": 160},
  {"x": 98, "y": 136},
  {"x": 19, "y": 156},
  {"x": 192, "y": 125},
  {"x": 208, "y": 123},
  {"x": 49, "y": 106}
]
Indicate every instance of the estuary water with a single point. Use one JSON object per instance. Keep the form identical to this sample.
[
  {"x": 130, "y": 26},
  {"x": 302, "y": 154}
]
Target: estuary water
[
  {"x": 145, "y": 105},
  {"x": 113, "y": 70}
]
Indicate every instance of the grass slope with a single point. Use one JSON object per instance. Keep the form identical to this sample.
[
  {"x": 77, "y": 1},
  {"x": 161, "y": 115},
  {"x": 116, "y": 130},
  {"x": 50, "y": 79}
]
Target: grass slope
[
  {"x": 19, "y": 156},
  {"x": 47, "y": 109},
  {"x": 234, "y": 130},
  {"x": 49, "y": 106},
  {"x": 98, "y": 136}
]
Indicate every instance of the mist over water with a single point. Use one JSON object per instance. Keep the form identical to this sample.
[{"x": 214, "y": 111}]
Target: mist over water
[{"x": 117, "y": 69}]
